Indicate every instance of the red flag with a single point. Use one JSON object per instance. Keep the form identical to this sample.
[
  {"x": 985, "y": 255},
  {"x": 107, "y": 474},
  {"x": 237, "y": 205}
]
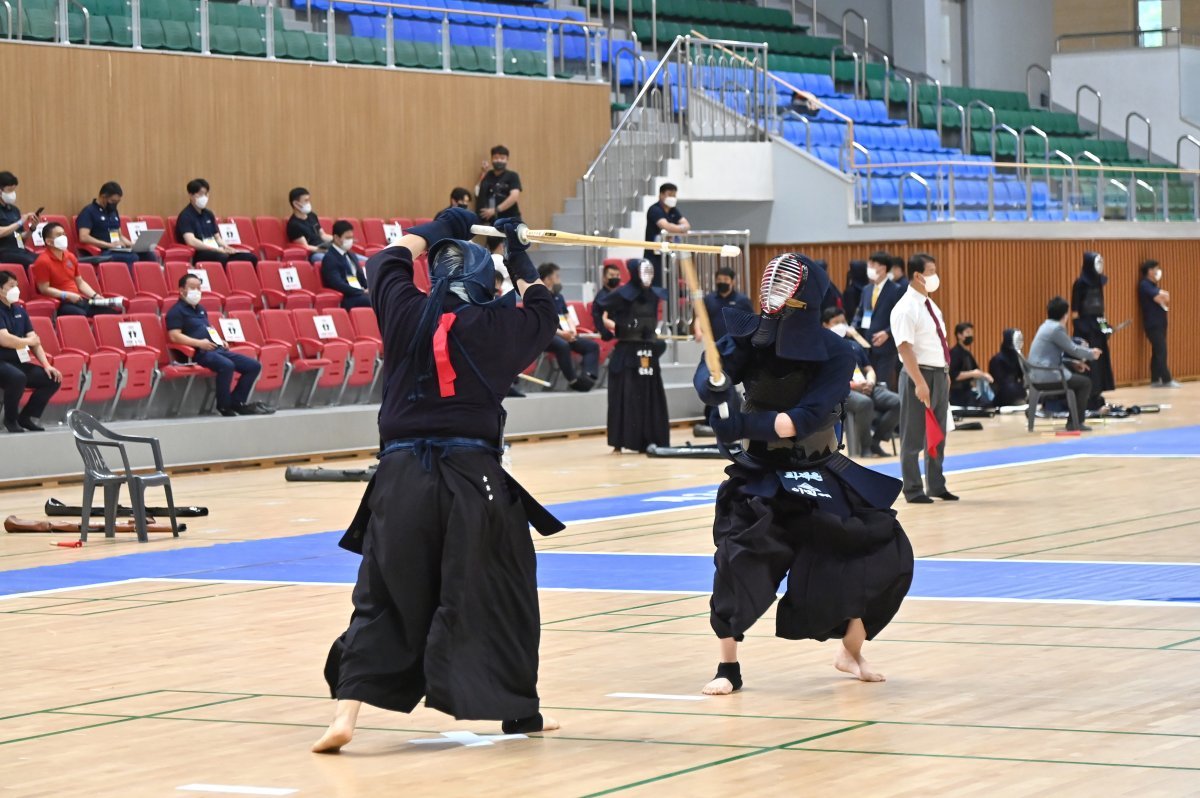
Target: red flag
[{"x": 933, "y": 432}]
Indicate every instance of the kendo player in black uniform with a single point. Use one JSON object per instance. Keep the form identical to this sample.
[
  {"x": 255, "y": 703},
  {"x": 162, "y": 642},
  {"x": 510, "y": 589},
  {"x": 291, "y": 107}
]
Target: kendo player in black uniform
[
  {"x": 792, "y": 505},
  {"x": 637, "y": 402},
  {"x": 446, "y": 606}
]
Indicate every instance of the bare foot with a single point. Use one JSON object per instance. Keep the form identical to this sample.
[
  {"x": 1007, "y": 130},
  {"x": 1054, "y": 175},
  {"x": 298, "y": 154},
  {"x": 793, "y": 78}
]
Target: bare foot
[
  {"x": 719, "y": 686},
  {"x": 341, "y": 731},
  {"x": 856, "y": 666},
  {"x": 550, "y": 724}
]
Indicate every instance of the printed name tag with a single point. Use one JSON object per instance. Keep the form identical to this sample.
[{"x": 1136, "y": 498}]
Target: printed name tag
[
  {"x": 202, "y": 275},
  {"x": 867, "y": 316},
  {"x": 23, "y": 354},
  {"x": 135, "y": 229},
  {"x": 210, "y": 241},
  {"x": 290, "y": 278},
  {"x": 353, "y": 281},
  {"x": 232, "y": 328},
  {"x": 229, "y": 232},
  {"x": 114, "y": 236},
  {"x": 325, "y": 327},
  {"x": 564, "y": 324},
  {"x": 392, "y": 232},
  {"x": 131, "y": 334}
]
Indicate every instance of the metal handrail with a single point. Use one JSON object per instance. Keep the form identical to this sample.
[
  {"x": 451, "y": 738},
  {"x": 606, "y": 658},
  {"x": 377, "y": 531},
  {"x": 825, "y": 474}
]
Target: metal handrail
[
  {"x": 796, "y": 117},
  {"x": 856, "y": 147},
  {"x": 963, "y": 122},
  {"x": 1058, "y": 42},
  {"x": 1179, "y": 146},
  {"x": 1015, "y": 134},
  {"x": 1073, "y": 176},
  {"x": 8, "y": 14},
  {"x": 866, "y": 27},
  {"x": 1101, "y": 204},
  {"x": 1099, "y": 107},
  {"x": 1029, "y": 85},
  {"x": 1139, "y": 183},
  {"x": 841, "y": 48},
  {"x": 1149, "y": 133},
  {"x": 204, "y": 27},
  {"x": 62, "y": 20},
  {"x": 969, "y": 143},
  {"x": 928, "y": 194},
  {"x": 490, "y": 15}
]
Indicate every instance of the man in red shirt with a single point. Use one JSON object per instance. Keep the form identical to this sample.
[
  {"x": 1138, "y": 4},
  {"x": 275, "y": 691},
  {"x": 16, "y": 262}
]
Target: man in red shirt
[{"x": 56, "y": 274}]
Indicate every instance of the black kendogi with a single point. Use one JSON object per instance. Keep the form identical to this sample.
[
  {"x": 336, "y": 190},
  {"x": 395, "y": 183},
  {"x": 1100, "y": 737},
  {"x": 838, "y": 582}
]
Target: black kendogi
[
  {"x": 795, "y": 507},
  {"x": 1087, "y": 301},
  {"x": 445, "y": 606},
  {"x": 637, "y": 402}
]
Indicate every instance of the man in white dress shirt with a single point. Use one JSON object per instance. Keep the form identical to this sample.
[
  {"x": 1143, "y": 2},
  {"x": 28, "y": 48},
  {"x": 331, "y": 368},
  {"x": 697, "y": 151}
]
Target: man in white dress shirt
[{"x": 920, "y": 334}]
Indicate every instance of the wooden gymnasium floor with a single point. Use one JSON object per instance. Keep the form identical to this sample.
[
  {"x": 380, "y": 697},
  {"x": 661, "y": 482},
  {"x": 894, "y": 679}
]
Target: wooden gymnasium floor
[{"x": 1013, "y": 683}]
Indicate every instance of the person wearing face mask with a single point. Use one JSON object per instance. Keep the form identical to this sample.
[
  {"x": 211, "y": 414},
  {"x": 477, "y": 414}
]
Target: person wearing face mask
[
  {"x": 1005, "y": 368},
  {"x": 1054, "y": 356},
  {"x": 874, "y": 408},
  {"x": 15, "y": 227},
  {"x": 610, "y": 279},
  {"x": 341, "y": 270},
  {"x": 498, "y": 189},
  {"x": 896, "y": 272},
  {"x": 724, "y": 297},
  {"x": 1091, "y": 324},
  {"x": 303, "y": 226},
  {"x": 99, "y": 228},
  {"x": 567, "y": 340},
  {"x": 873, "y": 316},
  {"x": 970, "y": 386},
  {"x": 663, "y": 218},
  {"x": 196, "y": 227},
  {"x": 460, "y": 198},
  {"x": 637, "y": 401},
  {"x": 56, "y": 275},
  {"x": 920, "y": 331},
  {"x": 188, "y": 325},
  {"x": 1155, "y": 302},
  {"x": 23, "y": 363},
  {"x": 856, "y": 281}
]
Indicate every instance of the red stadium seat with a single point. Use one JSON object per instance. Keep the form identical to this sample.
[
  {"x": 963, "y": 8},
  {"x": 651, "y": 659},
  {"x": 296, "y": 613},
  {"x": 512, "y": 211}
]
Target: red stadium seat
[
  {"x": 150, "y": 280},
  {"x": 273, "y": 356},
  {"x": 583, "y": 319},
  {"x": 247, "y": 234},
  {"x": 168, "y": 248},
  {"x": 400, "y": 220},
  {"x": 73, "y": 365},
  {"x": 366, "y": 325},
  {"x": 109, "y": 369},
  {"x": 116, "y": 281},
  {"x": 422, "y": 220},
  {"x": 421, "y": 273},
  {"x": 365, "y": 353},
  {"x": 35, "y": 303},
  {"x": 314, "y": 341},
  {"x": 215, "y": 282},
  {"x": 68, "y": 229},
  {"x": 243, "y": 279},
  {"x": 373, "y": 235},
  {"x": 310, "y": 279},
  {"x": 272, "y": 239},
  {"x": 207, "y": 301},
  {"x": 616, "y": 263},
  {"x": 277, "y": 325},
  {"x": 278, "y": 293}
]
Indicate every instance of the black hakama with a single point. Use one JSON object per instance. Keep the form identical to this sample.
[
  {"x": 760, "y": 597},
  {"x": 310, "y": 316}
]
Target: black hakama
[{"x": 637, "y": 401}]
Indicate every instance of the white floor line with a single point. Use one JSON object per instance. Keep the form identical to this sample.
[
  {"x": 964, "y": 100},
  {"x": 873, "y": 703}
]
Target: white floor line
[
  {"x": 236, "y": 789},
  {"x": 658, "y": 696},
  {"x": 49, "y": 591}
]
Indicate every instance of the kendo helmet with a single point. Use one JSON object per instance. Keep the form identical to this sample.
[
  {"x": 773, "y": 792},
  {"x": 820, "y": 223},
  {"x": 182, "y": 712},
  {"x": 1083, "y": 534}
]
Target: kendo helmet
[
  {"x": 469, "y": 269},
  {"x": 789, "y": 296}
]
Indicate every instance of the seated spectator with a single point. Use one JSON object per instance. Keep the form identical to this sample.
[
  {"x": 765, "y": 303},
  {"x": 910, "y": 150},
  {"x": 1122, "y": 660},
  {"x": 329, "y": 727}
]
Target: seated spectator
[
  {"x": 460, "y": 198},
  {"x": 611, "y": 277},
  {"x": 196, "y": 227},
  {"x": 99, "y": 226},
  {"x": 341, "y": 270},
  {"x": 1053, "y": 355},
  {"x": 303, "y": 226},
  {"x": 56, "y": 275},
  {"x": 568, "y": 340},
  {"x": 15, "y": 229},
  {"x": 874, "y": 408},
  {"x": 188, "y": 325},
  {"x": 23, "y": 363},
  {"x": 724, "y": 297},
  {"x": 970, "y": 386},
  {"x": 1005, "y": 368}
]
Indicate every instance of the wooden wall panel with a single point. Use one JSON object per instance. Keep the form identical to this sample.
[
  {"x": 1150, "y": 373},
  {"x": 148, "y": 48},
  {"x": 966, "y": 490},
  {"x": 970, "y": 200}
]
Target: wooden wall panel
[
  {"x": 1088, "y": 16},
  {"x": 367, "y": 142},
  {"x": 999, "y": 284}
]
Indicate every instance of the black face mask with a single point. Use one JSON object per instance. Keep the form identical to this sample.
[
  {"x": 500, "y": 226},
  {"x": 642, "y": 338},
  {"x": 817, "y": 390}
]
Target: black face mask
[
  {"x": 612, "y": 282},
  {"x": 557, "y": 288},
  {"x": 724, "y": 288},
  {"x": 499, "y": 166},
  {"x": 967, "y": 341}
]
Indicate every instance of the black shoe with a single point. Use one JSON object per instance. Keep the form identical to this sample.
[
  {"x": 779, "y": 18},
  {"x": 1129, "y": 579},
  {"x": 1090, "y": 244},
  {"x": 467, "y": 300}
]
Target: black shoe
[
  {"x": 878, "y": 451},
  {"x": 30, "y": 424},
  {"x": 13, "y": 426},
  {"x": 582, "y": 384},
  {"x": 227, "y": 411},
  {"x": 264, "y": 409},
  {"x": 1080, "y": 428},
  {"x": 922, "y": 499},
  {"x": 513, "y": 393},
  {"x": 253, "y": 409},
  {"x": 947, "y": 497}
]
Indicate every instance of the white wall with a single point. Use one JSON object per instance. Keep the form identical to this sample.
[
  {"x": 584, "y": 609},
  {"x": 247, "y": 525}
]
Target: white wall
[{"x": 1004, "y": 37}]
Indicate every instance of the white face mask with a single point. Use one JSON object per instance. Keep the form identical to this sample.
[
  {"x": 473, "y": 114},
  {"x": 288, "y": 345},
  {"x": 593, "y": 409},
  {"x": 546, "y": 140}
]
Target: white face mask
[
  {"x": 840, "y": 329},
  {"x": 13, "y": 295},
  {"x": 192, "y": 297},
  {"x": 1018, "y": 340},
  {"x": 346, "y": 244},
  {"x": 306, "y": 208},
  {"x": 669, "y": 201},
  {"x": 891, "y": 277},
  {"x": 9, "y": 197},
  {"x": 1099, "y": 264},
  {"x": 59, "y": 242},
  {"x": 872, "y": 273},
  {"x": 201, "y": 201},
  {"x": 931, "y": 283},
  {"x": 1157, "y": 275}
]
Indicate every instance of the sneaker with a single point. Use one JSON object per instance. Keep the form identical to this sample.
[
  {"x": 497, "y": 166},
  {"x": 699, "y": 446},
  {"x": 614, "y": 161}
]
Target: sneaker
[
  {"x": 227, "y": 411},
  {"x": 1171, "y": 384},
  {"x": 30, "y": 424}
]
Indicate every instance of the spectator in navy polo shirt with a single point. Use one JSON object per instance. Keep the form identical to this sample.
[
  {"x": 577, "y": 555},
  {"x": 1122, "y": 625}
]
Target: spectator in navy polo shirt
[
  {"x": 304, "y": 227},
  {"x": 99, "y": 226},
  {"x": 663, "y": 218},
  {"x": 341, "y": 270},
  {"x": 196, "y": 227},
  {"x": 15, "y": 228},
  {"x": 567, "y": 340},
  {"x": 23, "y": 362},
  {"x": 724, "y": 297},
  {"x": 188, "y": 325}
]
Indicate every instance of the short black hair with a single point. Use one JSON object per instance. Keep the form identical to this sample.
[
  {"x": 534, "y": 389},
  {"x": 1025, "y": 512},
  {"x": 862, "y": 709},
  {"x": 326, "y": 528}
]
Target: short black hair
[
  {"x": 897, "y": 262},
  {"x": 1057, "y": 308},
  {"x": 111, "y": 189},
  {"x": 500, "y": 149},
  {"x": 297, "y": 193},
  {"x": 962, "y": 327},
  {"x": 726, "y": 271},
  {"x": 880, "y": 257},
  {"x": 612, "y": 266},
  {"x": 48, "y": 227},
  {"x": 189, "y": 276},
  {"x": 5, "y": 277},
  {"x": 547, "y": 269},
  {"x": 493, "y": 244},
  {"x": 459, "y": 193},
  {"x": 194, "y": 186},
  {"x": 341, "y": 227},
  {"x": 831, "y": 313},
  {"x": 1148, "y": 266},
  {"x": 8, "y": 179},
  {"x": 918, "y": 262},
  {"x": 665, "y": 187}
]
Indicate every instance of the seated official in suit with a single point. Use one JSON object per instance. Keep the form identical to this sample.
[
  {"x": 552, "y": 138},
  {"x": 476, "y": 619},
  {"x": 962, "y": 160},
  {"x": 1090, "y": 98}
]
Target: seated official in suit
[{"x": 342, "y": 271}]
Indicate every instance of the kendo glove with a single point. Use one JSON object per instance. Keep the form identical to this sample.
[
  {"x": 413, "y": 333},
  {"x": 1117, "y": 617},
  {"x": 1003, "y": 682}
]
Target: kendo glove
[
  {"x": 450, "y": 223},
  {"x": 520, "y": 267},
  {"x": 755, "y": 426}
]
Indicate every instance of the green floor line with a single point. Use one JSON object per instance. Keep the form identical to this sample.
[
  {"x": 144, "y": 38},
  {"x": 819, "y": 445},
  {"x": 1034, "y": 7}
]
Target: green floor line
[
  {"x": 634, "y": 607},
  {"x": 112, "y": 722},
  {"x": 89, "y": 703},
  {"x": 1180, "y": 643},
  {"x": 162, "y": 603},
  {"x": 660, "y": 620},
  {"x": 1101, "y": 540},
  {"x": 980, "y": 757}
]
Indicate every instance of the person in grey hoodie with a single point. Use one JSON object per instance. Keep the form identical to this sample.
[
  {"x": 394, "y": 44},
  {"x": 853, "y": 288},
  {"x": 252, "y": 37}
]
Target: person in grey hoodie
[{"x": 1046, "y": 359}]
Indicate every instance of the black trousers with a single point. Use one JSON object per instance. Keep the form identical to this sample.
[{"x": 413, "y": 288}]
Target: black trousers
[
  {"x": 587, "y": 348},
  {"x": 15, "y": 378},
  {"x": 128, "y": 258},
  {"x": 356, "y": 301},
  {"x": 84, "y": 309},
  {"x": 225, "y": 364},
  {"x": 203, "y": 255},
  {"x": 1081, "y": 385},
  {"x": 1158, "y": 355},
  {"x": 22, "y": 256}
]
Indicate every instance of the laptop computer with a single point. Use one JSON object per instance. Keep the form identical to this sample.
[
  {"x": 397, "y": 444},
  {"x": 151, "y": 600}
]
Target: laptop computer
[{"x": 146, "y": 242}]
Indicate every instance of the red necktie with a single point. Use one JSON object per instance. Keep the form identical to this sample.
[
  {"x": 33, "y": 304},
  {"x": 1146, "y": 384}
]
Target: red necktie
[{"x": 937, "y": 326}]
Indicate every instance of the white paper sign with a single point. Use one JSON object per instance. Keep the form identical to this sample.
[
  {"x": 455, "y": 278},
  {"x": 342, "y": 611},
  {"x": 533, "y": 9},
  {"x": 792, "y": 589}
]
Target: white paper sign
[
  {"x": 325, "y": 327},
  {"x": 202, "y": 275},
  {"x": 392, "y": 232},
  {"x": 135, "y": 229},
  {"x": 232, "y": 330},
  {"x": 38, "y": 241},
  {"x": 573, "y": 316},
  {"x": 23, "y": 354},
  {"x": 290, "y": 278},
  {"x": 229, "y": 233},
  {"x": 131, "y": 334}
]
